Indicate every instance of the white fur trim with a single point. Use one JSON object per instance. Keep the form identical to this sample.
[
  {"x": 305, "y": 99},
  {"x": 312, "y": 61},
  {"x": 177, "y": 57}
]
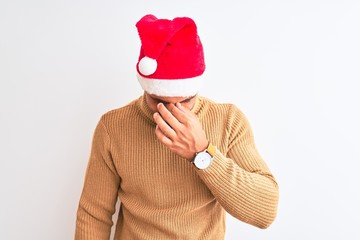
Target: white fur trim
[{"x": 170, "y": 87}]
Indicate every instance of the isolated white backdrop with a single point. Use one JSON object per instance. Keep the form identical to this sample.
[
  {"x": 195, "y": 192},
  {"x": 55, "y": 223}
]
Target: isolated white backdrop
[{"x": 291, "y": 66}]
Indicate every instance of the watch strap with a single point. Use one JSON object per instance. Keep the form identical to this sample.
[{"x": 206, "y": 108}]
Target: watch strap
[{"x": 211, "y": 149}]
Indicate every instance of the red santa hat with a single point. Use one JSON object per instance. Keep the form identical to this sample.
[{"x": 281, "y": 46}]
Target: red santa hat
[{"x": 171, "y": 60}]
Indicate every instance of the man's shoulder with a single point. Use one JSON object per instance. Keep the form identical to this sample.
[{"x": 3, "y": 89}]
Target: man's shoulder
[
  {"x": 225, "y": 111},
  {"x": 219, "y": 106},
  {"x": 119, "y": 113}
]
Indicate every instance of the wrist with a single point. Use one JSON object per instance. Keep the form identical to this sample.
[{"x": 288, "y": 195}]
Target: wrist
[{"x": 203, "y": 159}]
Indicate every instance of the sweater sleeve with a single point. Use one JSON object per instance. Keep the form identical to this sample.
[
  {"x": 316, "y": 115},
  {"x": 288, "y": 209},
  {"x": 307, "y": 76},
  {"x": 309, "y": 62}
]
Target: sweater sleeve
[
  {"x": 240, "y": 180},
  {"x": 99, "y": 195}
]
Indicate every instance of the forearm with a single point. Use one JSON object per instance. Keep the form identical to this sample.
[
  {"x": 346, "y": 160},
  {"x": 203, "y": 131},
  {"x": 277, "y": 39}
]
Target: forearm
[
  {"x": 251, "y": 197},
  {"x": 99, "y": 195},
  {"x": 89, "y": 226},
  {"x": 94, "y": 215}
]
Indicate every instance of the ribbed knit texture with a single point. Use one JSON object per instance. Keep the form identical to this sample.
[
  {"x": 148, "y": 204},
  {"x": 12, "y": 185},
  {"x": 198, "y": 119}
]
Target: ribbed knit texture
[{"x": 164, "y": 196}]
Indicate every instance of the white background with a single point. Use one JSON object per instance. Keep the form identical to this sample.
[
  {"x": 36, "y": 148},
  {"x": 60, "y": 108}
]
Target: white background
[{"x": 291, "y": 66}]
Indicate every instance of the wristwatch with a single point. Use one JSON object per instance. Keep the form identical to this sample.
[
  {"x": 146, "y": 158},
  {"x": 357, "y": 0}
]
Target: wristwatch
[{"x": 203, "y": 159}]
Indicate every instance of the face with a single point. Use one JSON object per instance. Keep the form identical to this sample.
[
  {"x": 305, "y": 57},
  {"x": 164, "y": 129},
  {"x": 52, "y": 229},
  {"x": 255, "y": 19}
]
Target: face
[{"x": 153, "y": 100}]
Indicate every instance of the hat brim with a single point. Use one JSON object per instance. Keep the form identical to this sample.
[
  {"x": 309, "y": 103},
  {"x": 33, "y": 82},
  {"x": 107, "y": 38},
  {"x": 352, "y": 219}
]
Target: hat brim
[{"x": 171, "y": 87}]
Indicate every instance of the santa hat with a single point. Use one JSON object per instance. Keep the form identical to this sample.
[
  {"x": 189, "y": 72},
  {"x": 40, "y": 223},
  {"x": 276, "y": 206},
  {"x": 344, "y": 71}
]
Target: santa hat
[{"x": 171, "y": 59}]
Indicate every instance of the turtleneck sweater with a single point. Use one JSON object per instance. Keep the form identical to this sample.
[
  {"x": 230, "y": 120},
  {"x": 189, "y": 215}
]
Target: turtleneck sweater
[{"x": 164, "y": 196}]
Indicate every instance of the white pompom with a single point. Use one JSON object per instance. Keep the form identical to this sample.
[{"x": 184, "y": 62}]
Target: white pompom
[{"x": 147, "y": 66}]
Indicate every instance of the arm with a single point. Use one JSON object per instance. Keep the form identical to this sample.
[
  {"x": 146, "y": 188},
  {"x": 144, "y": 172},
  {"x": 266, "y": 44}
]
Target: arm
[
  {"x": 241, "y": 181},
  {"x": 99, "y": 195}
]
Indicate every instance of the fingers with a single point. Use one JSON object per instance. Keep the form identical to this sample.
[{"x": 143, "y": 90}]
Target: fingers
[
  {"x": 168, "y": 116},
  {"x": 162, "y": 137},
  {"x": 163, "y": 126},
  {"x": 179, "y": 112}
]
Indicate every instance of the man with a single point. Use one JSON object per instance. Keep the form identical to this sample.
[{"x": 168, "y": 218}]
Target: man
[{"x": 177, "y": 161}]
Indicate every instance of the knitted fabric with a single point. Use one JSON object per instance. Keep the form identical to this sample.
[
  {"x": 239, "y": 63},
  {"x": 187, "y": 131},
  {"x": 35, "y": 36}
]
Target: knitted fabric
[{"x": 164, "y": 196}]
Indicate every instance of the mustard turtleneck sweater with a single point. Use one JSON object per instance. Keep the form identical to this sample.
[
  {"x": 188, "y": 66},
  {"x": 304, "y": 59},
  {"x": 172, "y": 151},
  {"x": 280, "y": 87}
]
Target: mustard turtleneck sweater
[{"x": 164, "y": 196}]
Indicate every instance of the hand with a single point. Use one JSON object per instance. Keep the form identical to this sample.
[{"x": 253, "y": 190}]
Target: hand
[{"x": 180, "y": 130}]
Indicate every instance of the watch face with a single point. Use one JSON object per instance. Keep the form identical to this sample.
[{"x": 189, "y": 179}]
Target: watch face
[{"x": 202, "y": 160}]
